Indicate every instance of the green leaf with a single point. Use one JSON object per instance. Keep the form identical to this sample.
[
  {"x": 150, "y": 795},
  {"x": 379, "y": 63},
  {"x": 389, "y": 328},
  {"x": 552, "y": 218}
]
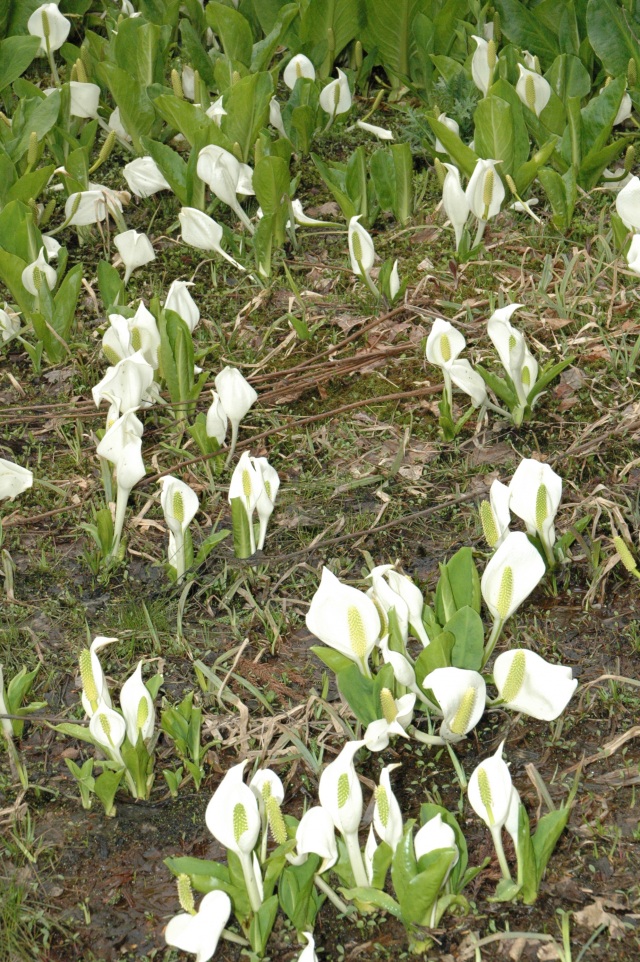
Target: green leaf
[
  {"x": 247, "y": 106},
  {"x": 461, "y": 155},
  {"x": 262, "y": 923},
  {"x": 499, "y": 387},
  {"x": 264, "y": 49},
  {"x": 363, "y": 694},
  {"x": 16, "y": 53},
  {"x": 39, "y": 118},
  {"x": 136, "y": 109},
  {"x": 404, "y": 866},
  {"x": 614, "y": 35},
  {"x": 524, "y": 29},
  {"x": 528, "y": 171},
  {"x": 423, "y": 890},
  {"x": 190, "y": 120},
  {"x": 562, "y": 194},
  {"x": 209, "y": 543},
  {"x": 494, "y": 132},
  {"x": 467, "y": 628},
  {"x": 330, "y": 25},
  {"x": 75, "y": 731},
  {"x": 271, "y": 184},
  {"x": 389, "y": 28},
  {"x": 464, "y": 580},
  {"x": 296, "y": 891},
  {"x": 569, "y": 77},
  {"x": 241, "y": 532},
  {"x": 436, "y": 655},
  {"x": 549, "y": 373},
  {"x": 66, "y": 300},
  {"x": 140, "y": 50},
  {"x": 233, "y": 30},
  {"x": 111, "y": 286},
  {"x": 548, "y": 831},
  {"x": 105, "y": 786},
  {"x": 527, "y": 871},
  {"x": 335, "y": 179},
  {"x": 334, "y": 660},
  {"x": 375, "y": 897},
  {"x": 171, "y": 165}
]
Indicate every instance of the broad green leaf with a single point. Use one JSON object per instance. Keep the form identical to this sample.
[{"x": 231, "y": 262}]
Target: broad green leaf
[
  {"x": 527, "y": 870},
  {"x": 525, "y": 29},
  {"x": 562, "y": 194},
  {"x": 233, "y": 30},
  {"x": 464, "y": 580},
  {"x": 614, "y": 35},
  {"x": 462, "y": 156},
  {"x": 190, "y": 120},
  {"x": 105, "y": 786},
  {"x": 241, "y": 530},
  {"x": 467, "y": 628},
  {"x": 363, "y": 694},
  {"x": 494, "y": 132},
  {"x": 140, "y": 49},
  {"x": 195, "y": 53},
  {"x": 262, "y": 923},
  {"x": 548, "y": 831},
  {"x": 568, "y": 77},
  {"x": 247, "y": 106},
  {"x": 111, "y": 286},
  {"x": 136, "y": 109},
  {"x": 330, "y": 25},
  {"x": 264, "y": 49},
  {"x": 423, "y": 890},
  {"x": 527, "y": 173},
  {"x": 30, "y": 185},
  {"x": 507, "y": 93},
  {"x": 334, "y": 660},
  {"x": 436, "y": 655},
  {"x": 65, "y": 301},
  {"x": 40, "y": 116},
  {"x": 389, "y": 28},
  {"x": 375, "y": 897},
  {"x": 549, "y": 373},
  {"x": 271, "y": 183},
  {"x": 498, "y": 385},
  {"x": 404, "y": 866},
  {"x": 16, "y": 53}
]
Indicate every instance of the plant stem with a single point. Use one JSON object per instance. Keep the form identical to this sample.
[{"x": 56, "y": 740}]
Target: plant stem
[
  {"x": 234, "y": 440},
  {"x": 122, "y": 497},
  {"x": 480, "y": 232},
  {"x": 493, "y": 638},
  {"x": 355, "y": 858},
  {"x": 496, "y": 834},
  {"x": 426, "y": 739},
  {"x": 462, "y": 778},
  {"x": 324, "y": 887},
  {"x": 250, "y": 880}
]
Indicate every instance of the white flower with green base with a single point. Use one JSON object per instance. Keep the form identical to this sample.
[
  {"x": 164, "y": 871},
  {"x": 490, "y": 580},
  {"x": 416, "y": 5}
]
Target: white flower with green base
[
  {"x": 511, "y": 575},
  {"x": 232, "y": 816},
  {"x": 344, "y": 619},
  {"x": 341, "y": 796},
  {"x": 179, "y": 505}
]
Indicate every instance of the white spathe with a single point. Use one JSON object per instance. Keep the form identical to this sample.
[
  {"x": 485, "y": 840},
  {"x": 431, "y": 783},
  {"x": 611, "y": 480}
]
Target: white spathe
[
  {"x": 513, "y": 572},
  {"x": 344, "y": 619},
  {"x": 531, "y": 685}
]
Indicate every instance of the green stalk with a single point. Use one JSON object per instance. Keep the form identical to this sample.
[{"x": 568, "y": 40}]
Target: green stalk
[
  {"x": 326, "y": 889},
  {"x": 250, "y": 880},
  {"x": 355, "y": 858},
  {"x": 493, "y": 638},
  {"x": 496, "y": 835}
]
